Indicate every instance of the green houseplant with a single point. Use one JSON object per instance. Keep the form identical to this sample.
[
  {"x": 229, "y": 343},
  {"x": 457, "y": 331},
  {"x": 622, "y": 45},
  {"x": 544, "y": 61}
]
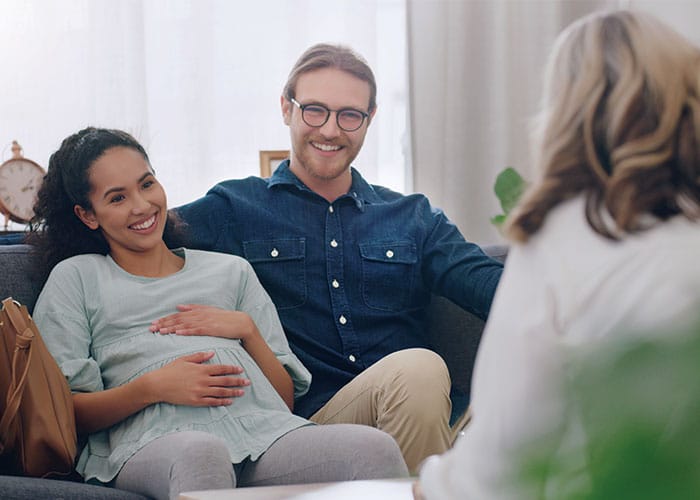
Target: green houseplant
[{"x": 509, "y": 187}]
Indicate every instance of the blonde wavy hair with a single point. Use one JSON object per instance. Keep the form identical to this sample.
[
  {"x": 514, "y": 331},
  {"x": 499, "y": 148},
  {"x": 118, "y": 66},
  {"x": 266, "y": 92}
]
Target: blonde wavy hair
[{"x": 620, "y": 125}]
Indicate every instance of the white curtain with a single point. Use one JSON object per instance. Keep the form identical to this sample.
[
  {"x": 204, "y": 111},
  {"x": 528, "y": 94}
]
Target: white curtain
[
  {"x": 196, "y": 81},
  {"x": 475, "y": 71}
]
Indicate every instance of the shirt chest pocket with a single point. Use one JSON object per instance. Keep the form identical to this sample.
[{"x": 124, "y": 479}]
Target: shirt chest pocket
[
  {"x": 280, "y": 266},
  {"x": 388, "y": 274}
]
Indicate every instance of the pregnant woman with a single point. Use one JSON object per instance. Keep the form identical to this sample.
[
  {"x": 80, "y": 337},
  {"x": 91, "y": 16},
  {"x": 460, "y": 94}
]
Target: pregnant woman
[{"x": 181, "y": 374}]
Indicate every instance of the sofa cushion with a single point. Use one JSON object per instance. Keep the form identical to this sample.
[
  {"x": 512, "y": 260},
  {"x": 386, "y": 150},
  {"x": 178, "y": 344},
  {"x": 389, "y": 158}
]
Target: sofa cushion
[
  {"x": 18, "y": 279},
  {"x": 32, "y": 488}
]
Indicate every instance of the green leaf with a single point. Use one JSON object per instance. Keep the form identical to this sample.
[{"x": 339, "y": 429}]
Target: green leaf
[
  {"x": 508, "y": 188},
  {"x": 498, "y": 220}
]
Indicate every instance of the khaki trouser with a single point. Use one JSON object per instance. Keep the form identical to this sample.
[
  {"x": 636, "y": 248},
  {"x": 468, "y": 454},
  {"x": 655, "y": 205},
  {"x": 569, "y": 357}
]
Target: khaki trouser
[{"x": 407, "y": 395}]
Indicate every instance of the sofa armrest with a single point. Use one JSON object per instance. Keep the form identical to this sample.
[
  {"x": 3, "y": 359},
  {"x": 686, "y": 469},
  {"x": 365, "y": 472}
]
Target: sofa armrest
[{"x": 455, "y": 333}]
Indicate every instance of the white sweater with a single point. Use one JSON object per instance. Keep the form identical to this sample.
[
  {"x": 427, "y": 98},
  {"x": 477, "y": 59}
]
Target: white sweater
[{"x": 560, "y": 293}]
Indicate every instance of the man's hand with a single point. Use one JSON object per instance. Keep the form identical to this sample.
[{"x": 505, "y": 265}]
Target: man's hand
[
  {"x": 194, "y": 319},
  {"x": 186, "y": 381}
]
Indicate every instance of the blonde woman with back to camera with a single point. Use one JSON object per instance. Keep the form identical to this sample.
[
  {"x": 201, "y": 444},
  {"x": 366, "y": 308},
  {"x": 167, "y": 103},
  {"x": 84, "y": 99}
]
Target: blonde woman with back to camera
[{"x": 605, "y": 243}]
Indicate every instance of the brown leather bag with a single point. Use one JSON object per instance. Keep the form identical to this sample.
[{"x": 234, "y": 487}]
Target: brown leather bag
[{"x": 37, "y": 428}]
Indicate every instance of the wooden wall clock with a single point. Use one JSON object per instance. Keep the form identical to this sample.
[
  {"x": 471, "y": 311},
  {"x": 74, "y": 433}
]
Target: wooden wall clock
[{"x": 20, "y": 179}]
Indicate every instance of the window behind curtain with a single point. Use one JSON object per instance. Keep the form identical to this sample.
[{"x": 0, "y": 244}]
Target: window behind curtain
[{"x": 197, "y": 82}]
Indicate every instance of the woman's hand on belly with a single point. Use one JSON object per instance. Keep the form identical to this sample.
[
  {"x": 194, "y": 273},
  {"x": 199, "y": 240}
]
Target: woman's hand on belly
[
  {"x": 187, "y": 381},
  {"x": 193, "y": 319},
  {"x": 196, "y": 319}
]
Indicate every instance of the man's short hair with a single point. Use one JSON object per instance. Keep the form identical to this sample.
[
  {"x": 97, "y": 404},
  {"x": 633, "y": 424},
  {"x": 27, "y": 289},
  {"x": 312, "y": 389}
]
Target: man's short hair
[{"x": 325, "y": 55}]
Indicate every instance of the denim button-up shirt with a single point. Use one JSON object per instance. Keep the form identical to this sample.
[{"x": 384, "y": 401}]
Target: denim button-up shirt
[{"x": 350, "y": 279}]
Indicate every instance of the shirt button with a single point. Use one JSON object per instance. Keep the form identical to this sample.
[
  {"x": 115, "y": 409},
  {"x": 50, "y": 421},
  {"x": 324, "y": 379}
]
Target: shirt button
[
  {"x": 351, "y": 358},
  {"x": 335, "y": 283},
  {"x": 334, "y": 243},
  {"x": 342, "y": 320},
  {"x": 389, "y": 254},
  {"x": 330, "y": 209},
  {"x": 274, "y": 252}
]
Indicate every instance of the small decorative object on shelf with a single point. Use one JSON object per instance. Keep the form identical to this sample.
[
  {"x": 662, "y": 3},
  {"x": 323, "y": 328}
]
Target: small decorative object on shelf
[{"x": 20, "y": 179}]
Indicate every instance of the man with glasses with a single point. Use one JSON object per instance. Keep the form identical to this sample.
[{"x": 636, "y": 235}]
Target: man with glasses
[{"x": 350, "y": 266}]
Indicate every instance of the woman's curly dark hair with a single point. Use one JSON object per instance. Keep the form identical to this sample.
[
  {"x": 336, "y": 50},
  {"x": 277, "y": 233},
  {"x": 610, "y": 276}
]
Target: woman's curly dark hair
[{"x": 55, "y": 231}]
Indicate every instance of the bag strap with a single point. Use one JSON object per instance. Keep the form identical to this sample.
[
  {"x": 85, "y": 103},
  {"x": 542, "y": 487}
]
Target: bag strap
[
  {"x": 18, "y": 320},
  {"x": 23, "y": 344}
]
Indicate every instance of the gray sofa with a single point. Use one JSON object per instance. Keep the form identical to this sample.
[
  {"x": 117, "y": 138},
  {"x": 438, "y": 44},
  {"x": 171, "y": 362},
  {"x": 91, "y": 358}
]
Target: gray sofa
[{"x": 455, "y": 335}]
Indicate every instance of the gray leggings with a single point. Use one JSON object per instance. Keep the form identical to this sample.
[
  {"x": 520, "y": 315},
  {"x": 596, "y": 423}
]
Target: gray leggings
[{"x": 192, "y": 460}]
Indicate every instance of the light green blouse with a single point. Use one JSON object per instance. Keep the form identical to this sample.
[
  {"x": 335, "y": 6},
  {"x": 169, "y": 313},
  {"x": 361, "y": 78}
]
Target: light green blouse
[{"x": 95, "y": 318}]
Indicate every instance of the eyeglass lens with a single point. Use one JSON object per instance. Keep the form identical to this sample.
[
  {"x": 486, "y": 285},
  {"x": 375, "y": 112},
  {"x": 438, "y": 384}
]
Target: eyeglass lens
[{"x": 347, "y": 119}]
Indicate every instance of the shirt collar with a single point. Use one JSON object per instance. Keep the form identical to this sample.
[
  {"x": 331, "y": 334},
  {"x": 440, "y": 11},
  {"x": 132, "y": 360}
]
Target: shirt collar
[{"x": 361, "y": 192}]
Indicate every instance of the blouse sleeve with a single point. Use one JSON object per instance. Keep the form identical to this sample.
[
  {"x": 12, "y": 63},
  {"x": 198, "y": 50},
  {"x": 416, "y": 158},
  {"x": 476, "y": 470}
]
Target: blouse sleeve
[
  {"x": 59, "y": 315},
  {"x": 255, "y": 301}
]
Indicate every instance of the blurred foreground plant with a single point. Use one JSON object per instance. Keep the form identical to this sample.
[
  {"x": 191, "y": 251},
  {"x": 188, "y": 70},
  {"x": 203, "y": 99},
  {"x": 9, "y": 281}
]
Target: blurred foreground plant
[{"x": 639, "y": 407}]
